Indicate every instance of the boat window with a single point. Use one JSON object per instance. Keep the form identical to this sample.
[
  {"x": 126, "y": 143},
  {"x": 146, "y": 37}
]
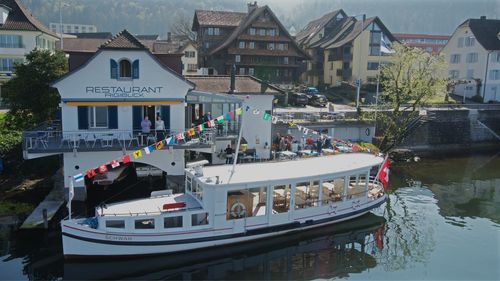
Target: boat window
[
  {"x": 115, "y": 224},
  {"x": 145, "y": 224},
  {"x": 172, "y": 222},
  {"x": 355, "y": 189},
  {"x": 281, "y": 198},
  {"x": 333, "y": 190},
  {"x": 197, "y": 190},
  {"x": 306, "y": 194},
  {"x": 246, "y": 203},
  {"x": 199, "y": 219}
]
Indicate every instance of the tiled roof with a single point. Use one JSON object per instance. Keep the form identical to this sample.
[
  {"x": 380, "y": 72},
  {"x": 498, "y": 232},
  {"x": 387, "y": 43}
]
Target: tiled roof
[
  {"x": 247, "y": 21},
  {"x": 218, "y": 18},
  {"x": 87, "y": 45},
  {"x": 244, "y": 84},
  {"x": 486, "y": 31},
  {"x": 93, "y": 35},
  {"x": 147, "y": 37},
  {"x": 123, "y": 40},
  {"x": 312, "y": 28},
  {"x": 20, "y": 18}
]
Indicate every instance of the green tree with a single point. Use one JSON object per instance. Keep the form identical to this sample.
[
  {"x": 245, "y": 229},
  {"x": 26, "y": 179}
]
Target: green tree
[
  {"x": 29, "y": 95},
  {"x": 409, "y": 81}
]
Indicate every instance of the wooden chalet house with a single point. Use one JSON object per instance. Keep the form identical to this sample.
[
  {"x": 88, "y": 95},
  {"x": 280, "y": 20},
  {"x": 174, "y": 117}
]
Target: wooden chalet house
[{"x": 256, "y": 42}]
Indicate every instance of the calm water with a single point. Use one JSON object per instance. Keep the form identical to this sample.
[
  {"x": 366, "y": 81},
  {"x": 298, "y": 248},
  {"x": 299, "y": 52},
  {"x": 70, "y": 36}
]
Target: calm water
[{"x": 442, "y": 222}]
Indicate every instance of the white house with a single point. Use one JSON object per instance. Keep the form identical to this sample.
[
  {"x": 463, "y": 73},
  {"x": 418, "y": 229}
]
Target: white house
[
  {"x": 473, "y": 54},
  {"x": 189, "y": 59},
  {"x": 103, "y": 103},
  {"x": 20, "y": 33}
]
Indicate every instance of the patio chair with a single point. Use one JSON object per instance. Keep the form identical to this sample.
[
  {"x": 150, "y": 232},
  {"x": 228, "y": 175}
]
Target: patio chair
[
  {"x": 41, "y": 137},
  {"x": 133, "y": 138}
]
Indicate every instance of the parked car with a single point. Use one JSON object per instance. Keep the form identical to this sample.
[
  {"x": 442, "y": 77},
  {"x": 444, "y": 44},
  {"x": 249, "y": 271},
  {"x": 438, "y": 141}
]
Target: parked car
[
  {"x": 318, "y": 100},
  {"x": 311, "y": 91},
  {"x": 298, "y": 99}
]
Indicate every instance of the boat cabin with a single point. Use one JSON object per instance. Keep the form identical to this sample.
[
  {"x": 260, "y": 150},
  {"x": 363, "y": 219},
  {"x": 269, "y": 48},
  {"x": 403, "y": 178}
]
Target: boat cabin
[{"x": 254, "y": 196}]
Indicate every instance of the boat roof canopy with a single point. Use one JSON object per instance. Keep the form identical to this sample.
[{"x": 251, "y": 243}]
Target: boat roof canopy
[{"x": 303, "y": 168}]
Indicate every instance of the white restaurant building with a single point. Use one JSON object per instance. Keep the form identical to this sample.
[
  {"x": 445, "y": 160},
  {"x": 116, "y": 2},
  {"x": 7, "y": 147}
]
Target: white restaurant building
[{"x": 104, "y": 100}]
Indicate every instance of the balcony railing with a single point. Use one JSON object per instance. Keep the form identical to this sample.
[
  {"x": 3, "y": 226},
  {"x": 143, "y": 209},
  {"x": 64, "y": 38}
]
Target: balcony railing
[{"x": 48, "y": 138}]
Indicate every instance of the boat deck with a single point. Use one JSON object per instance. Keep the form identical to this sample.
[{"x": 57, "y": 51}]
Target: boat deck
[
  {"x": 309, "y": 167},
  {"x": 146, "y": 206}
]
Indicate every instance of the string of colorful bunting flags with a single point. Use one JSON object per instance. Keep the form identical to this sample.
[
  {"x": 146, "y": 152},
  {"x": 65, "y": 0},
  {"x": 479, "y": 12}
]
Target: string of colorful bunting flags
[{"x": 199, "y": 129}]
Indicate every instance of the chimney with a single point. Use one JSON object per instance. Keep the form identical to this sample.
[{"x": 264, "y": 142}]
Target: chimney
[
  {"x": 252, "y": 6},
  {"x": 169, "y": 36},
  {"x": 483, "y": 17},
  {"x": 233, "y": 79}
]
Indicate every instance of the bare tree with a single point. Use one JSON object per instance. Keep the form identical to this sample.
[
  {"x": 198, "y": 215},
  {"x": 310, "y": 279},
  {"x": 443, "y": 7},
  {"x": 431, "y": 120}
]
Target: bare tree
[{"x": 181, "y": 28}]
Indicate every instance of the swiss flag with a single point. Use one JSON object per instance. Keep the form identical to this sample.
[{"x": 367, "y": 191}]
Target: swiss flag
[
  {"x": 103, "y": 168},
  {"x": 383, "y": 174},
  {"x": 126, "y": 159}
]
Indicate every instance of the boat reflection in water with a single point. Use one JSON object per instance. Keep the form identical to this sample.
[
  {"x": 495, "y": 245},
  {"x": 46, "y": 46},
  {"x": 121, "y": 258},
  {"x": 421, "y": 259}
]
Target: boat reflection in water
[{"x": 333, "y": 251}]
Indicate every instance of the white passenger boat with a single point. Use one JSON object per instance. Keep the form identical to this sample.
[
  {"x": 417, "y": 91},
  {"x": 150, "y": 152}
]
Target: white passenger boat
[{"x": 219, "y": 207}]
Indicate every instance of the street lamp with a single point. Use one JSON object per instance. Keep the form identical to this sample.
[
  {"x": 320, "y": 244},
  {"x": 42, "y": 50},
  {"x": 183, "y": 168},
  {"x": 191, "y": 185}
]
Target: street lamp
[{"x": 358, "y": 81}]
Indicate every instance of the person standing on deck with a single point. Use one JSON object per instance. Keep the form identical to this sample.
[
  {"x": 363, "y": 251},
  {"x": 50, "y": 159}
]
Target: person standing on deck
[{"x": 145, "y": 128}]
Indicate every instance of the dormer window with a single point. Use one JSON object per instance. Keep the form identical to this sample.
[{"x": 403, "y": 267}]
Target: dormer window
[
  {"x": 4, "y": 13},
  {"x": 125, "y": 69}
]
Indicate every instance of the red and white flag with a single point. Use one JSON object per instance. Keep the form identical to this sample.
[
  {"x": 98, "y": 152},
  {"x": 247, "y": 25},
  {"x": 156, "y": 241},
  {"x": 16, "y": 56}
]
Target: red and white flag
[
  {"x": 383, "y": 173},
  {"x": 114, "y": 164}
]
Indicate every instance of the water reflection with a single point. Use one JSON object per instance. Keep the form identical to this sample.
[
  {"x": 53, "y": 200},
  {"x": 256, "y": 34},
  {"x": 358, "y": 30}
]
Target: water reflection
[
  {"x": 333, "y": 251},
  {"x": 464, "y": 186}
]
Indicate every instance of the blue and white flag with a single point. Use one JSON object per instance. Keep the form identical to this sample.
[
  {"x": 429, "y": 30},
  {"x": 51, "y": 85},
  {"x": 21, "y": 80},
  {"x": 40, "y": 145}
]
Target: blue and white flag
[
  {"x": 78, "y": 178},
  {"x": 148, "y": 149},
  {"x": 170, "y": 141},
  {"x": 384, "y": 46}
]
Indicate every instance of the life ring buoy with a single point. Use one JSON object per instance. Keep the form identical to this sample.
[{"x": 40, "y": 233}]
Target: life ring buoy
[
  {"x": 367, "y": 131},
  {"x": 238, "y": 210}
]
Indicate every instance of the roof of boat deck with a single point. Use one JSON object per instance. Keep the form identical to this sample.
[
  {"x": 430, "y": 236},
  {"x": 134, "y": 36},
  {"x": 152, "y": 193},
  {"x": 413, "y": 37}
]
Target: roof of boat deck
[{"x": 309, "y": 167}]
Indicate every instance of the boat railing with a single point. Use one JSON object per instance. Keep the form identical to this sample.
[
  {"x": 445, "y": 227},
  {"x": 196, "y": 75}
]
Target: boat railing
[{"x": 146, "y": 213}]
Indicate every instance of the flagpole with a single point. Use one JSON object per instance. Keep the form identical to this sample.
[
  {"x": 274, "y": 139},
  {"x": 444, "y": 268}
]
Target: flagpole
[
  {"x": 378, "y": 78},
  {"x": 70, "y": 194},
  {"x": 237, "y": 148}
]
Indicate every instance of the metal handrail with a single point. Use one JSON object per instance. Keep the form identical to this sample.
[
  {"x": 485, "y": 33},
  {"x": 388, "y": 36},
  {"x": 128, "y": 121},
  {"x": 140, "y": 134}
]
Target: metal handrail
[{"x": 150, "y": 213}]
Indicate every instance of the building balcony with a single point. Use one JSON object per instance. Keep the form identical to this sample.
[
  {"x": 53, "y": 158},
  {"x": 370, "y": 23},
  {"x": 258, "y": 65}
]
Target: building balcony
[
  {"x": 51, "y": 140},
  {"x": 344, "y": 73}
]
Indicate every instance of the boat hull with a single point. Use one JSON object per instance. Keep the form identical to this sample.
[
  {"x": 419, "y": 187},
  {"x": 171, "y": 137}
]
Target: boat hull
[{"x": 90, "y": 243}]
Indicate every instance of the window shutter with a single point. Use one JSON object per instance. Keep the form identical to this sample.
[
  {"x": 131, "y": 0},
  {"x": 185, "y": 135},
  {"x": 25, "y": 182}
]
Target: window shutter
[
  {"x": 113, "y": 117},
  {"x": 135, "y": 69},
  {"x": 165, "y": 116},
  {"x": 114, "y": 69},
  {"x": 136, "y": 117},
  {"x": 83, "y": 118}
]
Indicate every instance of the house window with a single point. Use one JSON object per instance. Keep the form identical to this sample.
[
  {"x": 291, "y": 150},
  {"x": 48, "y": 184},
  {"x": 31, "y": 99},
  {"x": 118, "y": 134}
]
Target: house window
[
  {"x": 125, "y": 69},
  {"x": 11, "y": 41},
  {"x": 172, "y": 222},
  {"x": 251, "y": 45},
  {"x": 241, "y": 45},
  {"x": 271, "y": 32},
  {"x": 495, "y": 57},
  {"x": 210, "y": 31},
  {"x": 372, "y": 66},
  {"x": 375, "y": 50},
  {"x": 251, "y": 71},
  {"x": 242, "y": 71},
  {"x": 495, "y": 74},
  {"x": 84, "y": 29},
  {"x": 270, "y": 46},
  {"x": 216, "y": 31},
  {"x": 206, "y": 45},
  {"x": 471, "y": 58},
  {"x": 285, "y": 46},
  {"x": 469, "y": 41},
  {"x": 189, "y": 54},
  {"x": 262, "y": 32},
  {"x": 98, "y": 117},
  {"x": 281, "y": 46},
  {"x": 455, "y": 58},
  {"x": 454, "y": 74},
  {"x": 237, "y": 58},
  {"x": 252, "y": 31},
  {"x": 470, "y": 73},
  {"x": 192, "y": 67},
  {"x": 7, "y": 64},
  {"x": 285, "y": 60}
]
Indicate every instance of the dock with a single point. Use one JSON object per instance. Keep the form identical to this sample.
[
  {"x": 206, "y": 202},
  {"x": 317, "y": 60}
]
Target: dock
[{"x": 45, "y": 211}]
